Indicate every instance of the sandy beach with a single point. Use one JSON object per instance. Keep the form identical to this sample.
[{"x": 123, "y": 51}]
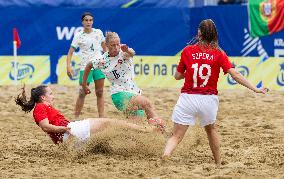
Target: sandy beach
[{"x": 251, "y": 128}]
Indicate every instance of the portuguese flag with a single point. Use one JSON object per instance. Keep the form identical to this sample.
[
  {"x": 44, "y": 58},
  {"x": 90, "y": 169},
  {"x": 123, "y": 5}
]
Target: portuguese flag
[{"x": 265, "y": 17}]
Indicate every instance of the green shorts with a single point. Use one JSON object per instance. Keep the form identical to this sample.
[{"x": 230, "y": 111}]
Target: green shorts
[
  {"x": 121, "y": 100},
  {"x": 93, "y": 76}
]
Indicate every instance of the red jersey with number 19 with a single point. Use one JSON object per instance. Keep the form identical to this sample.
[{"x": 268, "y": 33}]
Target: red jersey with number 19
[{"x": 201, "y": 68}]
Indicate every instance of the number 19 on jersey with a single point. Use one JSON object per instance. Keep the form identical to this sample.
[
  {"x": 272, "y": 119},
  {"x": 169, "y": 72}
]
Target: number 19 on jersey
[{"x": 198, "y": 70}]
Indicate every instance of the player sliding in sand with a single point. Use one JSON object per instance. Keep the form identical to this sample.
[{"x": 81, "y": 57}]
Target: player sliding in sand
[
  {"x": 200, "y": 66},
  {"x": 117, "y": 65},
  {"x": 56, "y": 125}
]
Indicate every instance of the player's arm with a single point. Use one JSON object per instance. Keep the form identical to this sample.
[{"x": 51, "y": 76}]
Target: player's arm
[
  {"x": 68, "y": 62},
  {"x": 85, "y": 77},
  {"x": 238, "y": 77},
  {"x": 128, "y": 52},
  {"x": 181, "y": 67},
  {"x": 46, "y": 127},
  {"x": 179, "y": 76}
]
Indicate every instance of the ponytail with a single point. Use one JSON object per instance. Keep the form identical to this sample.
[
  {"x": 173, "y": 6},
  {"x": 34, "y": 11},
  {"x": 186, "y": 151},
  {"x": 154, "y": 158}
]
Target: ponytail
[
  {"x": 36, "y": 93},
  {"x": 209, "y": 34}
]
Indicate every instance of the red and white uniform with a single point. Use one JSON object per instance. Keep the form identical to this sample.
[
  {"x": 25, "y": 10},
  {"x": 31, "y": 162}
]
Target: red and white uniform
[
  {"x": 79, "y": 129},
  {"x": 43, "y": 111},
  {"x": 201, "y": 67}
]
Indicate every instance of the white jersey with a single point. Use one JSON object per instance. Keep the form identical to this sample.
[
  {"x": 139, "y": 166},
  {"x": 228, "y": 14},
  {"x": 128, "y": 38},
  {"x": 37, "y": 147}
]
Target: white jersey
[
  {"x": 120, "y": 73},
  {"x": 89, "y": 45}
]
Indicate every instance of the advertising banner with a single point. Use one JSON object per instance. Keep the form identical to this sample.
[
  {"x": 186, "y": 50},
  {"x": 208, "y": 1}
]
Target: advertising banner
[
  {"x": 29, "y": 70},
  {"x": 268, "y": 73},
  {"x": 158, "y": 71},
  {"x": 61, "y": 71}
]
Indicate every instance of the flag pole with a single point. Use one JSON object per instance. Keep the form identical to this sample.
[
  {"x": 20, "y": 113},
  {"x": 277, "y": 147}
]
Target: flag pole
[{"x": 15, "y": 62}]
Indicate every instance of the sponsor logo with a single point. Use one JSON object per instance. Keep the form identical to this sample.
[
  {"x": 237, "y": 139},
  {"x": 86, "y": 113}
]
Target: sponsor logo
[
  {"x": 66, "y": 33},
  {"x": 280, "y": 76},
  {"x": 22, "y": 70},
  {"x": 76, "y": 71},
  {"x": 244, "y": 70}
]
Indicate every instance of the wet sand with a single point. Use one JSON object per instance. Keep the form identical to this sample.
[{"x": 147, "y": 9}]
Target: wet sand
[{"x": 251, "y": 128}]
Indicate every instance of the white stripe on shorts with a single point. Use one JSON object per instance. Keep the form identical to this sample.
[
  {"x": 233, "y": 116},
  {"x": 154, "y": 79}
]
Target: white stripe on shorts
[{"x": 192, "y": 106}]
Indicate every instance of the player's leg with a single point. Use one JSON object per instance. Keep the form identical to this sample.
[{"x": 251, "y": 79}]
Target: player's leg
[
  {"x": 177, "y": 136},
  {"x": 125, "y": 101},
  {"x": 99, "y": 124},
  {"x": 79, "y": 102},
  {"x": 214, "y": 142},
  {"x": 208, "y": 114},
  {"x": 81, "y": 97},
  {"x": 141, "y": 102},
  {"x": 84, "y": 129},
  {"x": 99, "y": 78},
  {"x": 121, "y": 101},
  {"x": 99, "y": 87},
  {"x": 183, "y": 116}
]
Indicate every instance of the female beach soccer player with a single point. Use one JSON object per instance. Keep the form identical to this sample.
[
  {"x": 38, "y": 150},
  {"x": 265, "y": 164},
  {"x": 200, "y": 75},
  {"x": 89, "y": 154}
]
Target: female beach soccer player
[
  {"x": 200, "y": 66},
  {"x": 90, "y": 41},
  {"x": 117, "y": 65},
  {"x": 56, "y": 125}
]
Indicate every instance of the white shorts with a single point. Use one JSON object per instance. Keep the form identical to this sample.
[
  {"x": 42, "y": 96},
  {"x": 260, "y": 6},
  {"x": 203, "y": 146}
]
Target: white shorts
[
  {"x": 79, "y": 129},
  {"x": 192, "y": 106}
]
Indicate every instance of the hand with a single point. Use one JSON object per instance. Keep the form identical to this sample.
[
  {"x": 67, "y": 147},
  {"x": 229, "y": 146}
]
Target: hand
[
  {"x": 64, "y": 129},
  {"x": 262, "y": 90},
  {"x": 68, "y": 131},
  {"x": 69, "y": 71},
  {"x": 86, "y": 89},
  {"x": 124, "y": 47}
]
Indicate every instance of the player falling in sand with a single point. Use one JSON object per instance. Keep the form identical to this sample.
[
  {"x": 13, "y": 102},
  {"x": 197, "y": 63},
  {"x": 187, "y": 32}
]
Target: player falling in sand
[
  {"x": 90, "y": 41},
  {"x": 56, "y": 125},
  {"x": 200, "y": 66},
  {"x": 117, "y": 65}
]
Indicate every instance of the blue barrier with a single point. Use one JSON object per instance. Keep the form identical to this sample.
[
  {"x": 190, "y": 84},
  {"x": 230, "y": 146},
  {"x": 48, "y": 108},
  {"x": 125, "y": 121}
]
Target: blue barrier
[
  {"x": 232, "y": 24},
  {"x": 98, "y": 3},
  {"x": 150, "y": 31}
]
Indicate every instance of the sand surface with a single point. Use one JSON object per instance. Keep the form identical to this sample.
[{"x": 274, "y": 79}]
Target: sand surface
[{"x": 251, "y": 127}]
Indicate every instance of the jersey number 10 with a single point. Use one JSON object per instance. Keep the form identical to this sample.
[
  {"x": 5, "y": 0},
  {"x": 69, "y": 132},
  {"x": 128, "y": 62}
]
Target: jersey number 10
[{"x": 199, "y": 71}]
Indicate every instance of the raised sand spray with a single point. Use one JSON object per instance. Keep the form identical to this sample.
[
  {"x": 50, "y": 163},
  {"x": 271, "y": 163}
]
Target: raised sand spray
[{"x": 250, "y": 127}]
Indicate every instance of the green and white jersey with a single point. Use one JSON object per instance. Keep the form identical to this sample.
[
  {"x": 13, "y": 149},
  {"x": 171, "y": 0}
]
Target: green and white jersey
[
  {"x": 89, "y": 45},
  {"x": 119, "y": 71}
]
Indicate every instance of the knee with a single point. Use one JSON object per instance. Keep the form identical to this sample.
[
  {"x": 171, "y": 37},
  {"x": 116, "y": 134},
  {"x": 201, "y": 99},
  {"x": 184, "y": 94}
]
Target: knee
[
  {"x": 146, "y": 103},
  {"x": 210, "y": 128},
  {"x": 99, "y": 93}
]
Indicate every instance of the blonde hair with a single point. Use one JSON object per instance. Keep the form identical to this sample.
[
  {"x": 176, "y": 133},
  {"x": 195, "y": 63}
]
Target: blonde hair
[{"x": 111, "y": 35}]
